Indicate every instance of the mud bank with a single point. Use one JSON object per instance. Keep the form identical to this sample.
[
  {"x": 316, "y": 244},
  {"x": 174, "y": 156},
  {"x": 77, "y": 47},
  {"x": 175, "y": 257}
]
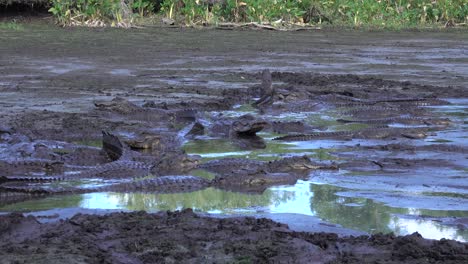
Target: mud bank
[{"x": 184, "y": 237}]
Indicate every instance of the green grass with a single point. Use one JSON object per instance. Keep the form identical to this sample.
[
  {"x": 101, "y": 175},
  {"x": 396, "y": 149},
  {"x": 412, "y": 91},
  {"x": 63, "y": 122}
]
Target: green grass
[
  {"x": 341, "y": 13},
  {"x": 356, "y": 13}
]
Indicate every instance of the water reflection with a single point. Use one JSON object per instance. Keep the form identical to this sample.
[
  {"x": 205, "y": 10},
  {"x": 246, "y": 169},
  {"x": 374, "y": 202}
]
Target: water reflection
[
  {"x": 304, "y": 198},
  {"x": 370, "y": 216},
  {"x": 208, "y": 200},
  {"x": 427, "y": 228}
]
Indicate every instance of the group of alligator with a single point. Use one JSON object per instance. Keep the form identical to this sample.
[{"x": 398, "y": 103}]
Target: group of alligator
[{"x": 45, "y": 152}]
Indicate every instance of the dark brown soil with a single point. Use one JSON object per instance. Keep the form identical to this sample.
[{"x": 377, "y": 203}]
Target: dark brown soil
[{"x": 185, "y": 237}]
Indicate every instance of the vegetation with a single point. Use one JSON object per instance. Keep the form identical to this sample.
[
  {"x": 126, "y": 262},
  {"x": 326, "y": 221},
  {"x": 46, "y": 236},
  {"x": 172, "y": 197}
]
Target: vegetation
[
  {"x": 342, "y": 12},
  {"x": 89, "y": 12},
  {"x": 356, "y": 13}
]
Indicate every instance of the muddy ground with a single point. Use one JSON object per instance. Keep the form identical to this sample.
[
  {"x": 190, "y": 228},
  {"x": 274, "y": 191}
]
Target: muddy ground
[
  {"x": 49, "y": 74},
  {"x": 184, "y": 237}
]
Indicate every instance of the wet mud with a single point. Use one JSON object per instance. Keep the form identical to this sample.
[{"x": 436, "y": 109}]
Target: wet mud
[
  {"x": 184, "y": 237},
  {"x": 379, "y": 117}
]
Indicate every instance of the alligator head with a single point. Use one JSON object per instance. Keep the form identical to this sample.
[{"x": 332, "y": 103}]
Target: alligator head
[
  {"x": 175, "y": 163},
  {"x": 247, "y": 125},
  {"x": 145, "y": 142}
]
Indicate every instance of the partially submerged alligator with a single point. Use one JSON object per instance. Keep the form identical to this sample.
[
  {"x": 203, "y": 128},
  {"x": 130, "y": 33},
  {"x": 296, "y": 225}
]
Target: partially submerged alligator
[
  {"x": 344, "y": 101},
  {"x": 29, "y": 167},
  {"x": 369, "y": 133},
  {"x": 163, "y": 184},
  {"x": 287, "y": 164},
  {"x": 123, "y": 107},
  {"x": 125, "y": 170},
  {"x": 256, "y": 181},
  {"x": 124, "y": 164},
  {"x": 245, "y": 175},
  {"x": 245, "y": 125},
  {"x": 233, "y": 174},
  {"x": 242, "y": 130},
  {"x": 401, "y": 120}
]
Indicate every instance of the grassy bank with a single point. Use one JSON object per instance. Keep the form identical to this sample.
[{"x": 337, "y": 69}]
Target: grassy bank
[{"x": 355, "y": 13}]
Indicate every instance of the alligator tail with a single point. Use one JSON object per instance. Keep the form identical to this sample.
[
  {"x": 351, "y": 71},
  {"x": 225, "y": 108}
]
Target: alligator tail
[{"x": 112, "y": 146}]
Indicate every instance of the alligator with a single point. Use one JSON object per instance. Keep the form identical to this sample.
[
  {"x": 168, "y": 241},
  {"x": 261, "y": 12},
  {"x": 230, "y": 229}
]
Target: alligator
[
  {"x": 396, "y": 103},
  {"x": 84, "y": 156},
  {"x": 237, "y": 173},
  {"x": 241, "y": 180},
  {"x": 384, "y": 111},
  {"x": 30, "y": 167},
  {"x": 368, "y": 133},
  {"x": 163, "y": 184},
  {"x": 124, "y": 163},
  {"x": 255, "y": 181},
  {"x": 245, "y": 125},
  {"x": 342, "y": 100},
  {"x": 123, "y": 107},
  {"x": 413, "y": 101},
  {"x": 144, "y": 142},
  {"x": 297, "y": 106},
  {"x": 241, "y": 131},
  {"x": 401, "y": 120},
  {"x": 287, "y": 164},
  {"x": 132, "y": 164},
  {"x": 405, "y": 147},
  {"x": 395, "y": 164}
]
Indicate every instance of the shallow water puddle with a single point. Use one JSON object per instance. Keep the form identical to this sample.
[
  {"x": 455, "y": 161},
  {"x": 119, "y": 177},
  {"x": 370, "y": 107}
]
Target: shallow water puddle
[{"x": 305, "y": 198}]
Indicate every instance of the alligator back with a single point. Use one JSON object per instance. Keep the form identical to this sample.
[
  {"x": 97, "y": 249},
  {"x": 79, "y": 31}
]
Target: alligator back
[
  {"x": 17, "y": 167},
  {"x": 318, "y": 135},
  {"x": 115, "y": 170},
  {"x": 230, "y": 164}
]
